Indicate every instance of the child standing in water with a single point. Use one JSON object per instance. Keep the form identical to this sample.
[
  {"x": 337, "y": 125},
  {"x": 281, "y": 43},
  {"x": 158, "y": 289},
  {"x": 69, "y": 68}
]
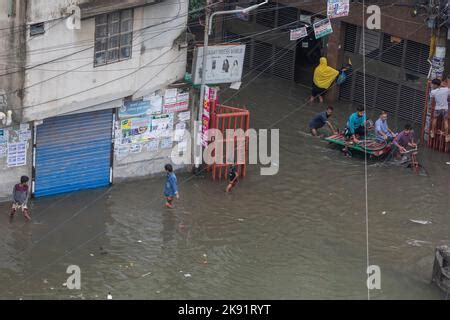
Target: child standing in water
[
  {"x": 171, "y": 187},
  {"x": 20, "y": 198},
  {"x": 232, "y": 178}
]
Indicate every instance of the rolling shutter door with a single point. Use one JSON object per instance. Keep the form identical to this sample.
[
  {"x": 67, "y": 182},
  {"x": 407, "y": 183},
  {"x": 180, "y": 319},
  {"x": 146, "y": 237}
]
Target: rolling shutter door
[
  {"x": 284, "y": 63},
  {"x": 73, "y": 153}
]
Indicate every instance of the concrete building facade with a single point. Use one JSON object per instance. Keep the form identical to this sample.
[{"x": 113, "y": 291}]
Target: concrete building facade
[{"x": 91, "y": 89}]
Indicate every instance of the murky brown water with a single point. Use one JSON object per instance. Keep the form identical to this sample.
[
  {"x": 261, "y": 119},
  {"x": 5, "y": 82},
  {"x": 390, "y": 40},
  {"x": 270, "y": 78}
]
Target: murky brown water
[{"x": 298, "y": 235}]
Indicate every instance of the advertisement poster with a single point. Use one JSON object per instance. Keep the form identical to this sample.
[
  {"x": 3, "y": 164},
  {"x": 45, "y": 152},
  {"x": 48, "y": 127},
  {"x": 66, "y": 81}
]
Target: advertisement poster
[
  {"x": 338, "y": 8},
  {"x": 298, "y": 33},
  {"x": 322, "y": 28},
  {"x": 135, "y": 130},
  {"x": 166, "y": 143},
  {"x": 17, "y": 154},
  {"x": 134, "y": 109},
  {"x": 184, "y": 116},
  {"x": 3, "y": 150},
  {"x": 211, "y": 95},
  {"x": 156, "y": 102},
  {"x": 3, "y": 136},
  {"x": 178, "y": 101},
  {"x": 223, "y": 64},
  {"x": 162, "y": 126}
]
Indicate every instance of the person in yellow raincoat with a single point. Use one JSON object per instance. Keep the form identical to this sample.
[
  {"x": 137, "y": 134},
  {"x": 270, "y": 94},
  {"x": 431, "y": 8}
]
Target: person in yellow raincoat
[{"x": 324, "y": 76}]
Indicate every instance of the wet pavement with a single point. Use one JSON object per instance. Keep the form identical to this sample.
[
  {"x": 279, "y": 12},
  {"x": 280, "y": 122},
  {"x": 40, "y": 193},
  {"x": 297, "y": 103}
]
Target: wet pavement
[{"x": 300, "y": 234}]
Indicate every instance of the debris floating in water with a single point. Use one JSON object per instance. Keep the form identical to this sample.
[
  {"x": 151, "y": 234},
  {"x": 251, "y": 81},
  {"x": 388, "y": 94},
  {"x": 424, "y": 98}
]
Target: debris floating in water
[
  {"x": 64, "y": 284},
  {"x": 187, "y": 275},
  {"x": 45, "y": 281},
  {"x": 384, "y": 212},
  {"x": 420, "y": 221},
  {"x": 417, "y": 243},
  {"x": 139, "y": 241},
  {"x": 91, "y": 254},
  {"x": 109, "y": 296},
  {"x": 146, "y": 274},
  {"x": 448, "y": 162},
  {"x": 240, "y": 219}
]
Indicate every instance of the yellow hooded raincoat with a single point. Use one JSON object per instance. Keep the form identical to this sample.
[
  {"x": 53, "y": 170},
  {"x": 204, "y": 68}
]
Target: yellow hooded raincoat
[{"x": 324, "y": 75}]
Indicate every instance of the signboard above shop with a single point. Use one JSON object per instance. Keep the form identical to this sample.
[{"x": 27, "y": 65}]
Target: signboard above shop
[
  {"x": 134, "y": 109},
  {"x": 224, "y": 64}
]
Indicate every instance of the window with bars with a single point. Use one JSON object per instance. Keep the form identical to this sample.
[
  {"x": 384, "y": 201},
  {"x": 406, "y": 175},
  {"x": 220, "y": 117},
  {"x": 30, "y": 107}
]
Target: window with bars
[{"x": 113, "y": 37}]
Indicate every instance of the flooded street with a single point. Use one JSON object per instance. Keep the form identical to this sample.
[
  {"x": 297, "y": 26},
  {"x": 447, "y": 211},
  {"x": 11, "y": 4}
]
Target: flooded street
[{"x": 300, "y": 234}]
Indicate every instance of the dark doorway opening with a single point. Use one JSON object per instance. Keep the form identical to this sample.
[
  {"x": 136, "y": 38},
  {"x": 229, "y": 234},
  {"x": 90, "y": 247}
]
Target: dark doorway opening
[{"x": 308, "y": 53}]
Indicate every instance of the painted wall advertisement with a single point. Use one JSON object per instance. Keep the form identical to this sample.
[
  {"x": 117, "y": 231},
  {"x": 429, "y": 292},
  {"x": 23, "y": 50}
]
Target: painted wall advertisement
[
  {"x": 338, "y": 8},
  {"x": 224, "y": 64},
  {"x": 148, "y": 125},
  {"x": 322, "y": 28}
]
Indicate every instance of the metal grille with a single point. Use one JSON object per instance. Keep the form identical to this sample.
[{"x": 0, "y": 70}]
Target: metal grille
[
  {"x": 358, "y": 95},
  {"x": 345, "y": 92},
  {"x": 262, "y": 56},
  {"x": 387, "y": 97},
  {"x": 287, "y": 15},
  {"x": 392, "y": 51},
  {"x": 416, "y": 57},
  {"x": 372, "y": 44},
  {"x": 350, "y": 38},
  {"x": 411, "y": 104},
  {"x": 284, "y": 65},
  {"x": 266, "y": 15}
]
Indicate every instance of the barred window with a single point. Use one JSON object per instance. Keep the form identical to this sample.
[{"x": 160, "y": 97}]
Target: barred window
[{"x": 113, "y": 37}]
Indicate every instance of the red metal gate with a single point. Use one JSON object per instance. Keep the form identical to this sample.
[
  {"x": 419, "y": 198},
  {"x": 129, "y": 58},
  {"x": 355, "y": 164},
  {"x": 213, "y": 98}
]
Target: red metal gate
[
  {"x": 223, "y": 118},
  {"x": 438, "y": 142}
]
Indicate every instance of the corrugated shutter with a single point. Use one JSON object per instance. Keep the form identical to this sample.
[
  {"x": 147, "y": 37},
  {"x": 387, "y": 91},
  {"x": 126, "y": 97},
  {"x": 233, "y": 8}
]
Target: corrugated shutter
[
  {"x": 387, "y": 97},
  {"x": 287, "y": 15},
  {"x": 266, "y": 15},
  {"x": 345, "y": 90},
  {"x": 392, "y": 51},
  {"x": 350, "y": 38},
  {"x": 358, "y": 95},
  {"x": 416, "y": 57},
  {"x": 73, "y": 153},
  {"x": 372, "y": 44},
  {"x": 284, "y": 64},
  {"x": 411, "y": 104},
  {"x": 262, "y": 56}
]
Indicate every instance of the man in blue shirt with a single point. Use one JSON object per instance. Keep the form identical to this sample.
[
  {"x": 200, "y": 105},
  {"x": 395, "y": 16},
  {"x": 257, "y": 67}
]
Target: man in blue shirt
[
  {"x": 320, "y": 120},
  {"x": 356, "y": 124},
  {"x": 171, "y": 186},
  {"x": 382, "y": 131}
]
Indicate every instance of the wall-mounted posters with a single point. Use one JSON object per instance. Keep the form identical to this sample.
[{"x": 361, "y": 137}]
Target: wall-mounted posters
[
  {"x": 322, "y": 28},
  {"x": 135, "y": 130},
  {"x": 338, "y": 8},
  {"x": 17, "y": 154},
  {"x": 134, "y": 109},
  {"x": 161, "y": 126},
  {"x": 175, "y": 101}
]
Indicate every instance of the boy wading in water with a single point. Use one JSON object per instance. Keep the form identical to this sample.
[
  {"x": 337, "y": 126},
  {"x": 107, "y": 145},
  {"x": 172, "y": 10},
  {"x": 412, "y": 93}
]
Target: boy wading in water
[
  {"x": 171, "y": 187},
  {"x": 232, "y": 178},
  {"x": 20, "y": 198}
]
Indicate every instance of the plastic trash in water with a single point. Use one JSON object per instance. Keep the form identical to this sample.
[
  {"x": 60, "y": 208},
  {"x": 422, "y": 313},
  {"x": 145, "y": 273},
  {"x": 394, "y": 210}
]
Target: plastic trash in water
[
  {"x": 384, "y": 212},
  {"x": 187, "y": 275},
  {"x": 420, "y": 221}
]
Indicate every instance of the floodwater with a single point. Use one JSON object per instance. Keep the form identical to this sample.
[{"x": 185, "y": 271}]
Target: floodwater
[{"x": 300, "y": 234}]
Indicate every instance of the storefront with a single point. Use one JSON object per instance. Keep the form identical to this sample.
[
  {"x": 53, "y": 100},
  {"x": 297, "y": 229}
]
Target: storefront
[{"x": 73, "y": 152}]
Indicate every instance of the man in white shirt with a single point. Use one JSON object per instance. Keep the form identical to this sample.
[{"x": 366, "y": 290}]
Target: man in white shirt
[{"x": 439, "y": 98}]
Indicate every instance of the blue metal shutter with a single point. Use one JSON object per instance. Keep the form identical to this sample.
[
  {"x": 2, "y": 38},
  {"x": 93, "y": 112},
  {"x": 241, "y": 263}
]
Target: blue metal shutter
[{"x": 73, "y": 153}]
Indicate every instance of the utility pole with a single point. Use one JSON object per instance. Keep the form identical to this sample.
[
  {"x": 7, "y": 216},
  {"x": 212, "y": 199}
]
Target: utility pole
[
  {"x": 209, "y": 16},
  {"x": 198, "y": 151}
]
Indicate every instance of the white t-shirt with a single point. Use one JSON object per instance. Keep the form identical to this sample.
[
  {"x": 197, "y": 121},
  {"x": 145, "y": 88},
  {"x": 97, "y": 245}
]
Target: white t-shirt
[{"x": 441, "y": 96}]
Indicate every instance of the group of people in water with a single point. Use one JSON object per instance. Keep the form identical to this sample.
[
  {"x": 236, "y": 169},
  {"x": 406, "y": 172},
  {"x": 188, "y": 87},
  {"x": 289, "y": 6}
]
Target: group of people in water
[{"x": 358, "y": 126}]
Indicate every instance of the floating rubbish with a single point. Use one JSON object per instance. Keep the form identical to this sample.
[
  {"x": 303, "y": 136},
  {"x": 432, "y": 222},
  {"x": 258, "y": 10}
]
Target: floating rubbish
[
  {"x": 51, "y": 288},
  {"x": 45, "y": 281},
  {"x": 417, "y": 243},
  {"x": 447, "y": 162},
  {"x": 91, "y": 254},
  {"x": 144, "y": 275},
  {"x": 420, "y": 221},
  {"x": 64, "y": 284},
  {"x": 187, "y": 275},
  {"x": 131, "y": 264},
  {"x": 109, "y": 296},
  {"x": 205, "y": 255},
  {"x": 384, "y": 212},
  {"x": 140, "y": 241},
  {"x": 240, "y": 219},
  {"x": 158, "y": 292}
]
